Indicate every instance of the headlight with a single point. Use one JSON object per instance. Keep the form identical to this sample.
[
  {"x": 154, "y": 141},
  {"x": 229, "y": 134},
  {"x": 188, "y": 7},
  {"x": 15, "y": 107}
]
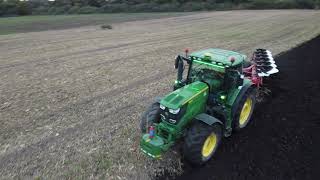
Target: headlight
[
  {"x": 172, "y": 121},
  {"x": 174, "y": 111},
  {"x": 162, "y": 107}
]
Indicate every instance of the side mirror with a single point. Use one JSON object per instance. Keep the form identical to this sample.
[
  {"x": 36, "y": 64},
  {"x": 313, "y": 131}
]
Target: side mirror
[
  {"x": 179, "y": 65},
  {"x": 176, "y": 62}
]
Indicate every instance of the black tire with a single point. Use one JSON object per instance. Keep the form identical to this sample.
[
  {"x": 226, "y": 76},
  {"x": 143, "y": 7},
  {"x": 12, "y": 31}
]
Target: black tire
[
  {"x": 150, "y": 116},
  {"x": 249, "y": 94},
  {"x": 195, "y": 140}
]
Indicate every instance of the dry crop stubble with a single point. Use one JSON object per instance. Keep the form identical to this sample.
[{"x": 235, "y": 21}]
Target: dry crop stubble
[{"x": 74, "y": 96}]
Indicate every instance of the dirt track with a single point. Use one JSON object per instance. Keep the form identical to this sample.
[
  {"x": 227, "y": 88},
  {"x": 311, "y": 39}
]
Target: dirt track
[
  {"x": 282, "y": 142},
  {"x": 71, "y": 99}
]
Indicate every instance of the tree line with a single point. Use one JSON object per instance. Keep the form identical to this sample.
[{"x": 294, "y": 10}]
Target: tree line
[{"x": 43, "y": 7}]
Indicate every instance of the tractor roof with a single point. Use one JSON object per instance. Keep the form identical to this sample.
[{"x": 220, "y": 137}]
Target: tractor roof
[{"x": 219, "y": 57}]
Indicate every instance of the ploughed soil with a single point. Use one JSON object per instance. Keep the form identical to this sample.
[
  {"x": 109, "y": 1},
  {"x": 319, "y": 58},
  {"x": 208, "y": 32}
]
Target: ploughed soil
[{"x": 282, "y": 140}]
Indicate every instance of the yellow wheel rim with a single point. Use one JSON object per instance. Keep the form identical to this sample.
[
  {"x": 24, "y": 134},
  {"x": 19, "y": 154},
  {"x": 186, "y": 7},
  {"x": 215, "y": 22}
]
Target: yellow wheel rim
[
  {"x": 245, "y": 112},
  {"x": 209, "y": 145}
]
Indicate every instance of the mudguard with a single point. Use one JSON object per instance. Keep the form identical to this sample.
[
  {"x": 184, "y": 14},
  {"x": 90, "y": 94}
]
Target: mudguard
[
  {"x": 210, "y": 120},
  {"x": 238, "y": 99},
  {"x": 158, "y": 99}
]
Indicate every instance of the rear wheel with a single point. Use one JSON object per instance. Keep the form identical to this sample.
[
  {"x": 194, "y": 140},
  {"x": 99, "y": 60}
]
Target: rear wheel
[
  {"x": 201, "y": 142},
  {"x": 150, "y": 116},
  {"x": 245, "y": 109}
]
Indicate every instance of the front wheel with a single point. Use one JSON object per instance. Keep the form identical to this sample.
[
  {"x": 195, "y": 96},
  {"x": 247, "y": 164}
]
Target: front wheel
[
  {"x": 201, "y": 142},
  {"x": 152, "y": 115}
]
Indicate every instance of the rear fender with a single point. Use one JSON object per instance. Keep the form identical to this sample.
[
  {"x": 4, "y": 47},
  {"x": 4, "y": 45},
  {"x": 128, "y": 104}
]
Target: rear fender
[
  {"x": 236, "y": 103},
  {"x": 207, "y": 119},
  {"x": 158, "y": 99}
]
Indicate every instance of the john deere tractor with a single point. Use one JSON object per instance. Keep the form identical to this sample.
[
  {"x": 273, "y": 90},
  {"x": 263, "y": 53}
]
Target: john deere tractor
[{"x": 214, "y": 95}]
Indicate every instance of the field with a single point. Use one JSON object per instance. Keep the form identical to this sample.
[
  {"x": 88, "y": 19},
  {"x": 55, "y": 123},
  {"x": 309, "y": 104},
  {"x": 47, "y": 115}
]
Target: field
[
  {"x": 70, "y": 100},
  {"x": 40, "y": 23}
]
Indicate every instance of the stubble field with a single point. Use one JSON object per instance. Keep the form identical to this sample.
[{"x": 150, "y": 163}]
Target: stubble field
[{"x": 70, "y": 100}]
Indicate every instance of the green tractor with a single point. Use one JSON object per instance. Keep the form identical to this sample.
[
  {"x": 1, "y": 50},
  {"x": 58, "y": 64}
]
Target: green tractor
[{"x": 214, "y": 95}]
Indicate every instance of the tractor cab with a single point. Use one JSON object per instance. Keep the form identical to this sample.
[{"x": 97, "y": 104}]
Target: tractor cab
[{"x": 215, "y": 67}]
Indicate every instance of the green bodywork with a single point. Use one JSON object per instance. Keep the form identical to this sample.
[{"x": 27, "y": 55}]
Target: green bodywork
[
  {"x": 220, "y": 56},
  {"x": 206, "y": 87}
]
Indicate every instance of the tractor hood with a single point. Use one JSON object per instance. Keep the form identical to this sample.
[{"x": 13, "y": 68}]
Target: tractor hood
[{"x": 179, "y": 97}]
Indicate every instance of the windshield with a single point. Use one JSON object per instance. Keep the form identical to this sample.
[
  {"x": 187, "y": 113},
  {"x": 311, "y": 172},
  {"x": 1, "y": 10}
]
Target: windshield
[{"x": 201, "y": 71}]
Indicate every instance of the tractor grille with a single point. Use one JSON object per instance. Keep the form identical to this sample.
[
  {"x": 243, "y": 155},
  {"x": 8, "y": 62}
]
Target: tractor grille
[
  {"x": 172, "y": 118},
  {"x": 164, "y": 134}
]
